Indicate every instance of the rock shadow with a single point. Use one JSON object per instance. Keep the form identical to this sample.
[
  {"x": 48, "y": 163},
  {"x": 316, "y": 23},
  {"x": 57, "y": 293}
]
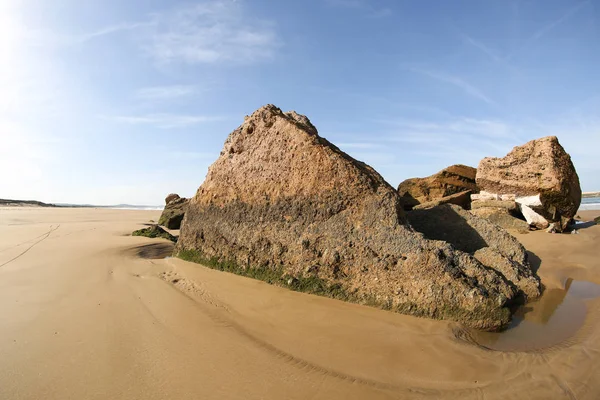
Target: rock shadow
[
  {"x": 154, "y": 251},
  {"x": 534, "y": 261},
  {"x": 582, "y": 225},
  {"x": 441, "y": 223}
]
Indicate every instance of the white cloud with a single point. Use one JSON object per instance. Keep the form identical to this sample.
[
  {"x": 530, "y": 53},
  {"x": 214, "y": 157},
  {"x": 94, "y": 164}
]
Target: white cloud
[
  {"x": 165, "y": 92},
  {"x": 211, "y": 32},
  {"x": 460, "y": 83},
  {"x": 164, "y": 121}
]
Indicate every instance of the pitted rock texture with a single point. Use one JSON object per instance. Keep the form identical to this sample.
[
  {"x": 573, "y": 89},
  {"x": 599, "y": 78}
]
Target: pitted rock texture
[
  {"x": 173, "y": 212},
  {"x": 282, "y": 198},
  {"x": 502, "y": 217},
  {"x": 490, "y": 244},
  {"x": 449, "y": 181},
  {"x": 538, "y": 167}
]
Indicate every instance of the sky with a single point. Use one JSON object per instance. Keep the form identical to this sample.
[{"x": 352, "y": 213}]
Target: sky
[{"x": 111, "y": 101}]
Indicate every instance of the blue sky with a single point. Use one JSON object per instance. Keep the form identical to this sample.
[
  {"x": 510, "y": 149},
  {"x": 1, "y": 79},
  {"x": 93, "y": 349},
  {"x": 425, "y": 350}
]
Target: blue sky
[{"x": 112, "y": 101}]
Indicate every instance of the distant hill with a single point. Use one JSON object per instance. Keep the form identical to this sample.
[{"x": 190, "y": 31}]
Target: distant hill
[
  {"x": 21, "y": 203},
  {"x": 590, "y": 194},
  {"x": 35, "y": 203}
]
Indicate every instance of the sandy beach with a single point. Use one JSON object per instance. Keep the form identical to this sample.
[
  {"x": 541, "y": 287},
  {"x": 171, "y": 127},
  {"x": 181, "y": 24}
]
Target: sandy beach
[{"x": 84, "y": 316}]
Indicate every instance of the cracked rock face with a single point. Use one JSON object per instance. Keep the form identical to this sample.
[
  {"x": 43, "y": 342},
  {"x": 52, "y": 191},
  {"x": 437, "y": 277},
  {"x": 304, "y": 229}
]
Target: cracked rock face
[
  {"x": 540, "y": 170},
  {"x": 280, "y": 197}
]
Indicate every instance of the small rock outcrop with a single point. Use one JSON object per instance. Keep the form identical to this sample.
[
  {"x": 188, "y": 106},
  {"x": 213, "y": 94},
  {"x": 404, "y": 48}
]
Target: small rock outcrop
[
  {"x": 449, "y": 181},
  {"x": 171, "y": 197},
  {"x": 154, "y": 231},
  {"x": 285, "y": 205},
  {"x": 540, "y": 177},
  {"x": 173, "y": 212},
  {"x": 488, "y": 243}
]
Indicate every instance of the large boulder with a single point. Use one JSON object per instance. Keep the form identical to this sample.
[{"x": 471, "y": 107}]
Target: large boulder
[
  {"x": 542, "y": 178},
  {"x": 491, "y": 245},
  {"x": 283, "y": 204},
  {"x": 449, "y": 181},
  {"x": 173, "y": 212}
]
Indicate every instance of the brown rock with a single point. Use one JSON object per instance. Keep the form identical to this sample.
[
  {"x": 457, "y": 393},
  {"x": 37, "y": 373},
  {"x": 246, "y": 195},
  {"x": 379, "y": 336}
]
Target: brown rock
[
  {"x": 462, "y": 199},
  {"x": 449, "y": 181},
  {"x": 516, "y": 272},
  {"x": 539, "y": 167},
  {"x": 171, "y": 197},
  {"x": 503, "y": 218},
  {"x": 173, "y": 213},
  {"x": 491, "y": 245},
  {"x": 281, "y": 202},
  {"x": 505, "y": 204}
]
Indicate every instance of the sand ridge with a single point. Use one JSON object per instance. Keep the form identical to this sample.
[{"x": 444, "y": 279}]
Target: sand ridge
[{"x": 84, "y": 317}]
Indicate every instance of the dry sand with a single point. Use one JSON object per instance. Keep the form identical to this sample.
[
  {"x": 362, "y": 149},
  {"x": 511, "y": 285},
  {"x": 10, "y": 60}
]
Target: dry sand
[{"x": 83, "y": 317}]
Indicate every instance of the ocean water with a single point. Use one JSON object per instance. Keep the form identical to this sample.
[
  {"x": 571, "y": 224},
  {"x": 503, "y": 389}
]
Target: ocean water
[
  {"x": 590, "y": 203},
  {"x": 130, "y": 207}
]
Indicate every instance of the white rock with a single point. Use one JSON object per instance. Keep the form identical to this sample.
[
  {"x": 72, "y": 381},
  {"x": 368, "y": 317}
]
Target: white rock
[
  {"x": 483, "y": 195},
  {"x": 551, "y": 228},
  {"x": 531, "y": 201},
  {"x": 508, "y": 197},
  {"x": 533, "y": 218}
]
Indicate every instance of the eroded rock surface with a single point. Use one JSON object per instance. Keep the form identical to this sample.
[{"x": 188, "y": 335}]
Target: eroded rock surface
[
  {"x": 281, "y": 200},
  {"x": 173, "y": 212},
  {"x": 462, "y": 199},
  {"x": 502, "y": 217},
  {"x": 449, "y": 181},
  {"x": 539, "y": 169},
  {"x": 491, "y": 245}
]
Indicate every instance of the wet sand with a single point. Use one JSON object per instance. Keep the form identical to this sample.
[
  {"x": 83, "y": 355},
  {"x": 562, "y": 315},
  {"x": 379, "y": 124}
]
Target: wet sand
[{"x": 89, "y": 313}]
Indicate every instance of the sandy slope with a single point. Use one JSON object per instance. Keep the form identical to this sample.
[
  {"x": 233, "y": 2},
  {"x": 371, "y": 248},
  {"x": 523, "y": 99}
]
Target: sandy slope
[{"x": 81, "y": 317}]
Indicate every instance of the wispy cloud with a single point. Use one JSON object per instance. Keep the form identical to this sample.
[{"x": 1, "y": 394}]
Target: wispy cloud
[
  {"x": 457, "y": 140},
  {"x": 479, "y": 128},
  {"x": 208, "y": 33},
  {"x": 553, "y": 24},
  {"x": 484, "y": 48},
  {"x": 165, "y": 92},
  {"x": 164, "y": 121},
  {"x": 107, "y": 30},
  {"x": 460, "y": 83},
  {"x": 358, "y": 145},
  {"x": 362, "y": 5}
]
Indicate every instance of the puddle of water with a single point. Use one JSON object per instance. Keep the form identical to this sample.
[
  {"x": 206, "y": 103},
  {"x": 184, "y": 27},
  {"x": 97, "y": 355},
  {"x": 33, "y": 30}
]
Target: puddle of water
[{"x": 552, "y": 319}]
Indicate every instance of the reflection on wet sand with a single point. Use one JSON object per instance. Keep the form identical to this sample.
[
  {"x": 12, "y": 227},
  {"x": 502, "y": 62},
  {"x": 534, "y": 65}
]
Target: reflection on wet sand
[{"x": 552, "y": 319}]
